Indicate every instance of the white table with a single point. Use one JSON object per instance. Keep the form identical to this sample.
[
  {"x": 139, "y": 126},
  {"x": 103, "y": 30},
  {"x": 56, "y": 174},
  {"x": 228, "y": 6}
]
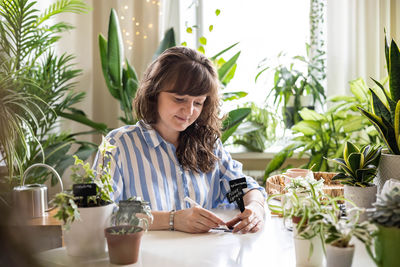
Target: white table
[{"x": 271, "y": 247}]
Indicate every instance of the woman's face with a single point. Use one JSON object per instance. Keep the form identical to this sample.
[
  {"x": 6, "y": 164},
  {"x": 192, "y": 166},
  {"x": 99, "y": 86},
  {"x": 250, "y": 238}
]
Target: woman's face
[{"x": 177, "y": 112}]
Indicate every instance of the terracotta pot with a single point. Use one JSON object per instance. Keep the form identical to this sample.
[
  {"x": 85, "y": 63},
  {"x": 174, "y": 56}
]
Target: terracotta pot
[
  {"x": 123, "y": 248},
  {"x": 294, "y": 173},
  {"x": 363, "y": 197},
  {"x": 339, "y": 257}
]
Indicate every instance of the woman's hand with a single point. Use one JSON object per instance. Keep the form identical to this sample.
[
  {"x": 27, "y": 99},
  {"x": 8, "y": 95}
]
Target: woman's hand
[
  {"x": 251, "y": 219},
  {"x": 196, "y": 220}
]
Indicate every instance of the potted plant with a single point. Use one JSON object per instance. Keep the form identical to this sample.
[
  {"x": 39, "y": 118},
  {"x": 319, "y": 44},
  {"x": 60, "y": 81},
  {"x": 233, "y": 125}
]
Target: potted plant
[
  {"x": 303, "y": 207},
  {"x": 359, "y": 167},
  {"x": 385, "y": 115},
  {"x": 86, "y": 210},
  {"x": 386, "y": 216},
  {"x": 129, "y": 222},
  {"x": 338, "y": 233}
]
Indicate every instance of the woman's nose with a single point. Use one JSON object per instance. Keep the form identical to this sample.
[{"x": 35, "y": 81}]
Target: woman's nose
[{"x": 189, "y": 107}]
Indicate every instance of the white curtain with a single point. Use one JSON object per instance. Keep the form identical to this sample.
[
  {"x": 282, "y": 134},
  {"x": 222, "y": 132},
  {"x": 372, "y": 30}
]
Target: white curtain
[
  {"x": 355, "y": 40},
  {"x": 139, "y": 22}
]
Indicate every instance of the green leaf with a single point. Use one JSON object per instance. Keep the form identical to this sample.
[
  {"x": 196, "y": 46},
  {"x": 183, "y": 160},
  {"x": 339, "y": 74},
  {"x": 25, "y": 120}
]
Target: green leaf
[
  {"x": 167, "y": 42},
  {"x": 223, "y": 51},
  {"x": 101, "y": 127},
  {"x": 233, "y": 95},
  {"x": 348, "y": 149},
  {"x": 115, "y": 50},
  {"x": 379, "y": 108},
  {"x": 308, "y": 128},
  {"x": 311, "y": 115},
  {"x": 224, "y": 70},
  {"x": 355, "y": 161},
  {"x": 189, "y": 30},
  {"x": 201, "y": 49},
  {"x": 359, "y": 89},
  {"x": 203, "y": 40},
  {"x": 235, "y": 117},
  {"x": 104, "y": 66},
  {"x": 210, "y": 28},
  {"x": 394, "y": 72},
  {"x": 217, "y": 12}
]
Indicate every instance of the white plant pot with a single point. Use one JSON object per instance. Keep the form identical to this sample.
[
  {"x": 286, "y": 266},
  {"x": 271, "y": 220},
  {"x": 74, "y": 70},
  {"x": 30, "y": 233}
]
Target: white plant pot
[
  {"x": 302, "y": 250},
  {"x": 339, "y": 257},
  {"x": 86, "y": 236},
  {"x": 363, "y": 197},
  {"x": 388, "y": 168}
]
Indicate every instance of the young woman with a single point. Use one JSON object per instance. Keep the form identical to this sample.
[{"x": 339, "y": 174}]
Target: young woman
[{"x": 174, "y": 151}]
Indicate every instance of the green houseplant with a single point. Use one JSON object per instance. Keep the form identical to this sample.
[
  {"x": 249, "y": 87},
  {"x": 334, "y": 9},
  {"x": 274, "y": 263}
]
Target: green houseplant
[
  {"x": 322, "y": 136},
  {"x": 386, "y": 216},
  {"x": 86, "y": 210},
  {"x": 385, "y": 114},
  {"x": 27, "y": 40},
  {"x": 359, "y": 167},
  {"x": 128, "y": 224}
]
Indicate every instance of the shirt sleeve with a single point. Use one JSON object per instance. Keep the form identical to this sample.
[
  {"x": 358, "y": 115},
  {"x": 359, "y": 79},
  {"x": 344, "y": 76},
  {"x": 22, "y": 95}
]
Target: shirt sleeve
[
  {"x": 231, "y": 169},
  {"x": 115, "y": 171}
]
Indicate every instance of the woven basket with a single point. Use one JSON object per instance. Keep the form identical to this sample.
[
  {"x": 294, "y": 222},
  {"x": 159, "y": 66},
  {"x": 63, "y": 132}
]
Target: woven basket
[{"x": 276, "y": 184}]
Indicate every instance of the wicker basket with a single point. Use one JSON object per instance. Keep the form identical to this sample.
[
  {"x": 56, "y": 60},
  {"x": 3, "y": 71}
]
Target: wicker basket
[{"x": 276, "y": 184}]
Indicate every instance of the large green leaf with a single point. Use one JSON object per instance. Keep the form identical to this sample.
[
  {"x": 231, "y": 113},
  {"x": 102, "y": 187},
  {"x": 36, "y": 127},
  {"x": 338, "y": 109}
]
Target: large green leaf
[
  {"x": 222, "y": 52},
  {"x": 101, "y": 127},
  {"x": 234, "y": 117},
  {"x": 104, "y": 66},
  {"x": 379, "y": 108},
  {"x": 225, "y": 69},
  {"x": 308, "y": 128},
  {"x": 167, "y": 42},
  {"x": 311, "y": 115},
  {"x": 115, "y": 50},
  {"x": 233, "y": 95},
  {"x": 394, "y": 71}
]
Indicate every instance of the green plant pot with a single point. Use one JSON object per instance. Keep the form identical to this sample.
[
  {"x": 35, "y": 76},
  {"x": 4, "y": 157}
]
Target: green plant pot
[{"x": 387, "y": 247}]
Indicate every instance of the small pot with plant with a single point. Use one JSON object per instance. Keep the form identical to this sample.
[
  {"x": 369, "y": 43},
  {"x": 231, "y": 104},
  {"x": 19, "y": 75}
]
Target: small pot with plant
[
  {"x": 86, "y": 209},
  {"x": 338, "y": 233},
  {"x": 359, "y": 167},
  {"x": 303, "y": 207},
  {"x": 129, "y": 222},
  {"x": 386, "y": 216}
]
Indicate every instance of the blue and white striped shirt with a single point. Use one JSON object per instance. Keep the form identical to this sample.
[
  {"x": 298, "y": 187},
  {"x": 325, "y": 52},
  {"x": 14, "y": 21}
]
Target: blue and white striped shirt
[{"x": 145, "y": 165}]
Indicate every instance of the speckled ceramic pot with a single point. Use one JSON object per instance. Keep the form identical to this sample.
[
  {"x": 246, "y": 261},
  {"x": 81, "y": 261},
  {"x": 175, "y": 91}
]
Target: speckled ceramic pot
[{"x": 363, "y": 197}]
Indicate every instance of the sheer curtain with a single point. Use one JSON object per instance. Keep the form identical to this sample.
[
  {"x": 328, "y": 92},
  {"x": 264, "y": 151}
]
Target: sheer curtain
[
  {"x": 355, "y": 40},
  {"x": 139, "y": 23}
]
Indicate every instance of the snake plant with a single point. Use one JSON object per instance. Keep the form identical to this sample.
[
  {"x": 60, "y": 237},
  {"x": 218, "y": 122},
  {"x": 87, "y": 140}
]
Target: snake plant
[
  {"x": 385, "y": 115},
  {"x": 359, "y": 165}
]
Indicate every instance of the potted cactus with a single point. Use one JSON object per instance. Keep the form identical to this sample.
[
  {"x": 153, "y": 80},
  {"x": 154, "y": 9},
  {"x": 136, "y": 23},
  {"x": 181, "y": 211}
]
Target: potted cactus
[
  {"x": 385, "y": 116},
  {"x": 86, "y": 209},
  {"x": 386, "y": 215},
  {"x": 129, "y": 222},
  {"x": 359, "y": 167}
]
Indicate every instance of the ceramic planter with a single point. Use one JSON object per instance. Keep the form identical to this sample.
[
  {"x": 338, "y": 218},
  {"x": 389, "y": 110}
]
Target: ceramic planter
[
  {"x": 86, "y": 236},
  {"x": 302, "y": 249},
  {"x": 363, "y": 197},
  {"x": 389, "y": 168},
  {"x": 123, "y": 248},
  {"x": 339, "y": 257},
  {"x": 387, "y": 247}
]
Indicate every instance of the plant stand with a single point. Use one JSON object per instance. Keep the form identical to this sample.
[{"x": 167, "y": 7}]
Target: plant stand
[
  {"x": 86, "y": 236},
  {"x": 339, "y": 257}
]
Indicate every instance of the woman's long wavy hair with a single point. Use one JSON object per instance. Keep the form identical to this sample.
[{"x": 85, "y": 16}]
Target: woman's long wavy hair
[{"x": 185, "y": 71}]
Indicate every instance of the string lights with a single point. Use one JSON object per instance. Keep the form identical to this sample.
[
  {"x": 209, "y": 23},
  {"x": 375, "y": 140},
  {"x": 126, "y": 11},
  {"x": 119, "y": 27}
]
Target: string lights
[{"x": 135, "y": 27}]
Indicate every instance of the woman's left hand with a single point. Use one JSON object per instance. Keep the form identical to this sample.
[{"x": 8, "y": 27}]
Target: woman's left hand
[{"x": 251, "y": 219}]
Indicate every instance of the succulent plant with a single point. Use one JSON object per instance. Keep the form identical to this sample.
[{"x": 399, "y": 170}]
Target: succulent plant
[
  {"x": 359, "y": 166},
  {"x": 386, "y": 103},
  {"x": 386, "y": 211}
]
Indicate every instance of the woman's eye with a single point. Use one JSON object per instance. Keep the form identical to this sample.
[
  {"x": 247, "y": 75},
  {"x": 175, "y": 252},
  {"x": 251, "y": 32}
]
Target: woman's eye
[
  {"x": 177, "y": 99},
  {"x": 198, "y": 103}
]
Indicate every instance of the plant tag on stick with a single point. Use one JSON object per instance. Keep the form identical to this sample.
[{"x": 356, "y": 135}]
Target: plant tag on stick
[{"x": 236, "y": 193}]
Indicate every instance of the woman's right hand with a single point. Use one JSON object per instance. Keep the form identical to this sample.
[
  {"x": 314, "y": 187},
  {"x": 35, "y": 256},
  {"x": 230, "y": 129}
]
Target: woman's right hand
[{"x": 196, "y": 220}]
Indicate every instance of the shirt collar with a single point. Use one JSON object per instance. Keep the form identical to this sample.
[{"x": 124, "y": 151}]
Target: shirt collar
[{"x": 151, "y": 136}]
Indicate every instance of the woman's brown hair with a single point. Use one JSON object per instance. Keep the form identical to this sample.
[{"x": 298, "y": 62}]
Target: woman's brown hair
[{"x": 185, "y": 71}]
